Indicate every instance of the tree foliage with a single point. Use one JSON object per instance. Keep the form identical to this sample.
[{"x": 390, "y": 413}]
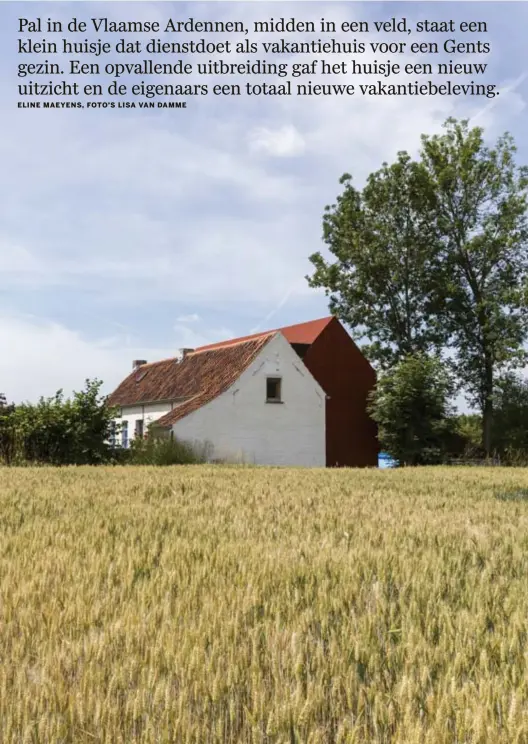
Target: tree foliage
[
  {"x": 467, "y": 436},
  {"x": 75, "y": 431},
  {"x": 411, "y": 407},
  {"x": 510, "y": 416},
  {"x": 480, "y": 219},
  {"x": 382, "y": 281},
  {"x": 433, "y": 254},
  {"x": 6, "y": 438}
]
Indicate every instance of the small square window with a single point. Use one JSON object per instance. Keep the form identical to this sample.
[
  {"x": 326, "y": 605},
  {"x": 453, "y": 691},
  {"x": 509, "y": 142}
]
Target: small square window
[{"x": 273, "y": 390}]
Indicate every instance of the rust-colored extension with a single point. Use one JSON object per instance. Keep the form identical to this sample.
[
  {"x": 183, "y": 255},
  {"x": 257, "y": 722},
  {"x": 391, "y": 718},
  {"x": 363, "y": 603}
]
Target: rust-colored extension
[{"x": 347, "y": 377}]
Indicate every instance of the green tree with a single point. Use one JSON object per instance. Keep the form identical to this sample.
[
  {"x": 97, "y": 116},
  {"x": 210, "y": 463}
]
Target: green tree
[
  {"x": 7, "y": 444},
  {"x": 93, "y": 423},
  {"x": 65, "y": 432},
  {"x": 480, "y": 198},
  {"x": 434, "y": 253},
  {"x": 384, "y": 276},
  {"x": 510, "y": 417},
  {"x": 411, "y": 407},
  {"x": 468, "y": 428}
]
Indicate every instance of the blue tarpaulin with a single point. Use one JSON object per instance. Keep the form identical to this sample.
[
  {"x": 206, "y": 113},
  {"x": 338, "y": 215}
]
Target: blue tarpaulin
[{"x": 386, "y": 461}]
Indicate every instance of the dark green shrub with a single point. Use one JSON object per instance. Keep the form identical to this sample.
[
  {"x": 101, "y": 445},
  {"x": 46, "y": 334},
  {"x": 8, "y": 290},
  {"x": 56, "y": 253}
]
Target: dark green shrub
[
  {"x": 411, "y": 407},
  {"x": 56, "y": 431},
  {"x": 164, "y": 451}
]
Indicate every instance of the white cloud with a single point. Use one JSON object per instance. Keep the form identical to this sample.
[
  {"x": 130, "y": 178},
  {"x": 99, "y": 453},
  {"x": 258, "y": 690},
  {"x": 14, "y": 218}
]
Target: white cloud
[
  {"x": 103, "y": 199},
  {"x": 282, "y": 143},
  {"x": 219, "y": 205},
  {"x": 509, "y": 100},
  {"x": 45, "y": 356},
  {"x": 18, "y": 259},
  {"x": 192, "y": 318}
]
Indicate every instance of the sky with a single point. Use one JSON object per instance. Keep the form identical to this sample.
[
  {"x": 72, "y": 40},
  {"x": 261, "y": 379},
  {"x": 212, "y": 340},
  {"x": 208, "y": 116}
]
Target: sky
[{"x": 129, "y": 234}]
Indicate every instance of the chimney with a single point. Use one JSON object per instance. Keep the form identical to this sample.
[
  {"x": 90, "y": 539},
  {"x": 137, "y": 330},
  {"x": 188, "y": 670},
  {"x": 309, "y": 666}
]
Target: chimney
[
  {"x": 184, "y": 352},
  {"x": 138, "y": 362}
]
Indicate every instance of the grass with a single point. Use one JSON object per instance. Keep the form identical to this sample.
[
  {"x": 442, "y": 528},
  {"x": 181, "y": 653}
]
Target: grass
[{"x": 234, "y": 604}]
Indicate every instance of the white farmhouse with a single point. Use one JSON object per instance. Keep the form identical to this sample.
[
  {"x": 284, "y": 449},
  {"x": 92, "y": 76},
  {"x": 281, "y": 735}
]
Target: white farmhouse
[
  {"x": 295, "y": 396},
  {"x": 252, "y": 401}
]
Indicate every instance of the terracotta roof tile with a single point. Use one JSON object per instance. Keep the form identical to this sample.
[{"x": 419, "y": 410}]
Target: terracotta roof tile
[
  {"x": 199, "y": 378},
  {"x": 300, "y": 333},
  {"x": 204, "y": 373}
]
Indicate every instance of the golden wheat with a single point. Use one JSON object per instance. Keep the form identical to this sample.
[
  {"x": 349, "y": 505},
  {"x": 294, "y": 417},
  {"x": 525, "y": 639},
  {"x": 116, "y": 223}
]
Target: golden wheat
[{"x": 218, "y": 604}]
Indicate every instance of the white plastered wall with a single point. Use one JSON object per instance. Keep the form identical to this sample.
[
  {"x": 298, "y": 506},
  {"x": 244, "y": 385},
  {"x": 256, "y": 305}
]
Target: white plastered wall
[{"x": 240, "y": 426}]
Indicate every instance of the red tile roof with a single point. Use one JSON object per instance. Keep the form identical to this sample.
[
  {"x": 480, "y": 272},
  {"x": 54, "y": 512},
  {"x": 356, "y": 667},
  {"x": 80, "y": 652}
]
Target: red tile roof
[
  {"x": 301, "y": 333},
  {"x": 204, "y": 373},
  {"x": 191, "y": 382}
]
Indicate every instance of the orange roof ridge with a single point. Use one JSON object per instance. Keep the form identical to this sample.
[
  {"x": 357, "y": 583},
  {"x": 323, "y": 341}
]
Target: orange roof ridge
[
  {"x": 242, "y": 339},
  {"x": 305, "y": 332},
  {"x": 232, "y": 342},
  {"x": 158, "y": 361}
]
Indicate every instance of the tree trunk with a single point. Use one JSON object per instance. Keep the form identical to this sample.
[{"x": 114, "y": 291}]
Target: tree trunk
[
  {"x": 487, "y": 412},
  {"x": 487, "y": 427}
]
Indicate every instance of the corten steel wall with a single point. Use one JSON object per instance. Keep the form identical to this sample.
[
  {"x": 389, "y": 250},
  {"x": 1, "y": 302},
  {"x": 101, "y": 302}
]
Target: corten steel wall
[{"x": 346, "y": 376}]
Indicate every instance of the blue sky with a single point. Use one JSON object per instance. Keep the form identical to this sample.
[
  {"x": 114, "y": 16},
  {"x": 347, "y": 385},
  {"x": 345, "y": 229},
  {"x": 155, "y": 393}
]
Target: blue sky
[{"x": 129, "y": 234}]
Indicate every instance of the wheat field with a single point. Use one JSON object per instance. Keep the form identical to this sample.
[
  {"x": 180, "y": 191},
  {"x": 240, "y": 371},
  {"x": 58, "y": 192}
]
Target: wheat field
[{"x": 235, "y": 604}]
